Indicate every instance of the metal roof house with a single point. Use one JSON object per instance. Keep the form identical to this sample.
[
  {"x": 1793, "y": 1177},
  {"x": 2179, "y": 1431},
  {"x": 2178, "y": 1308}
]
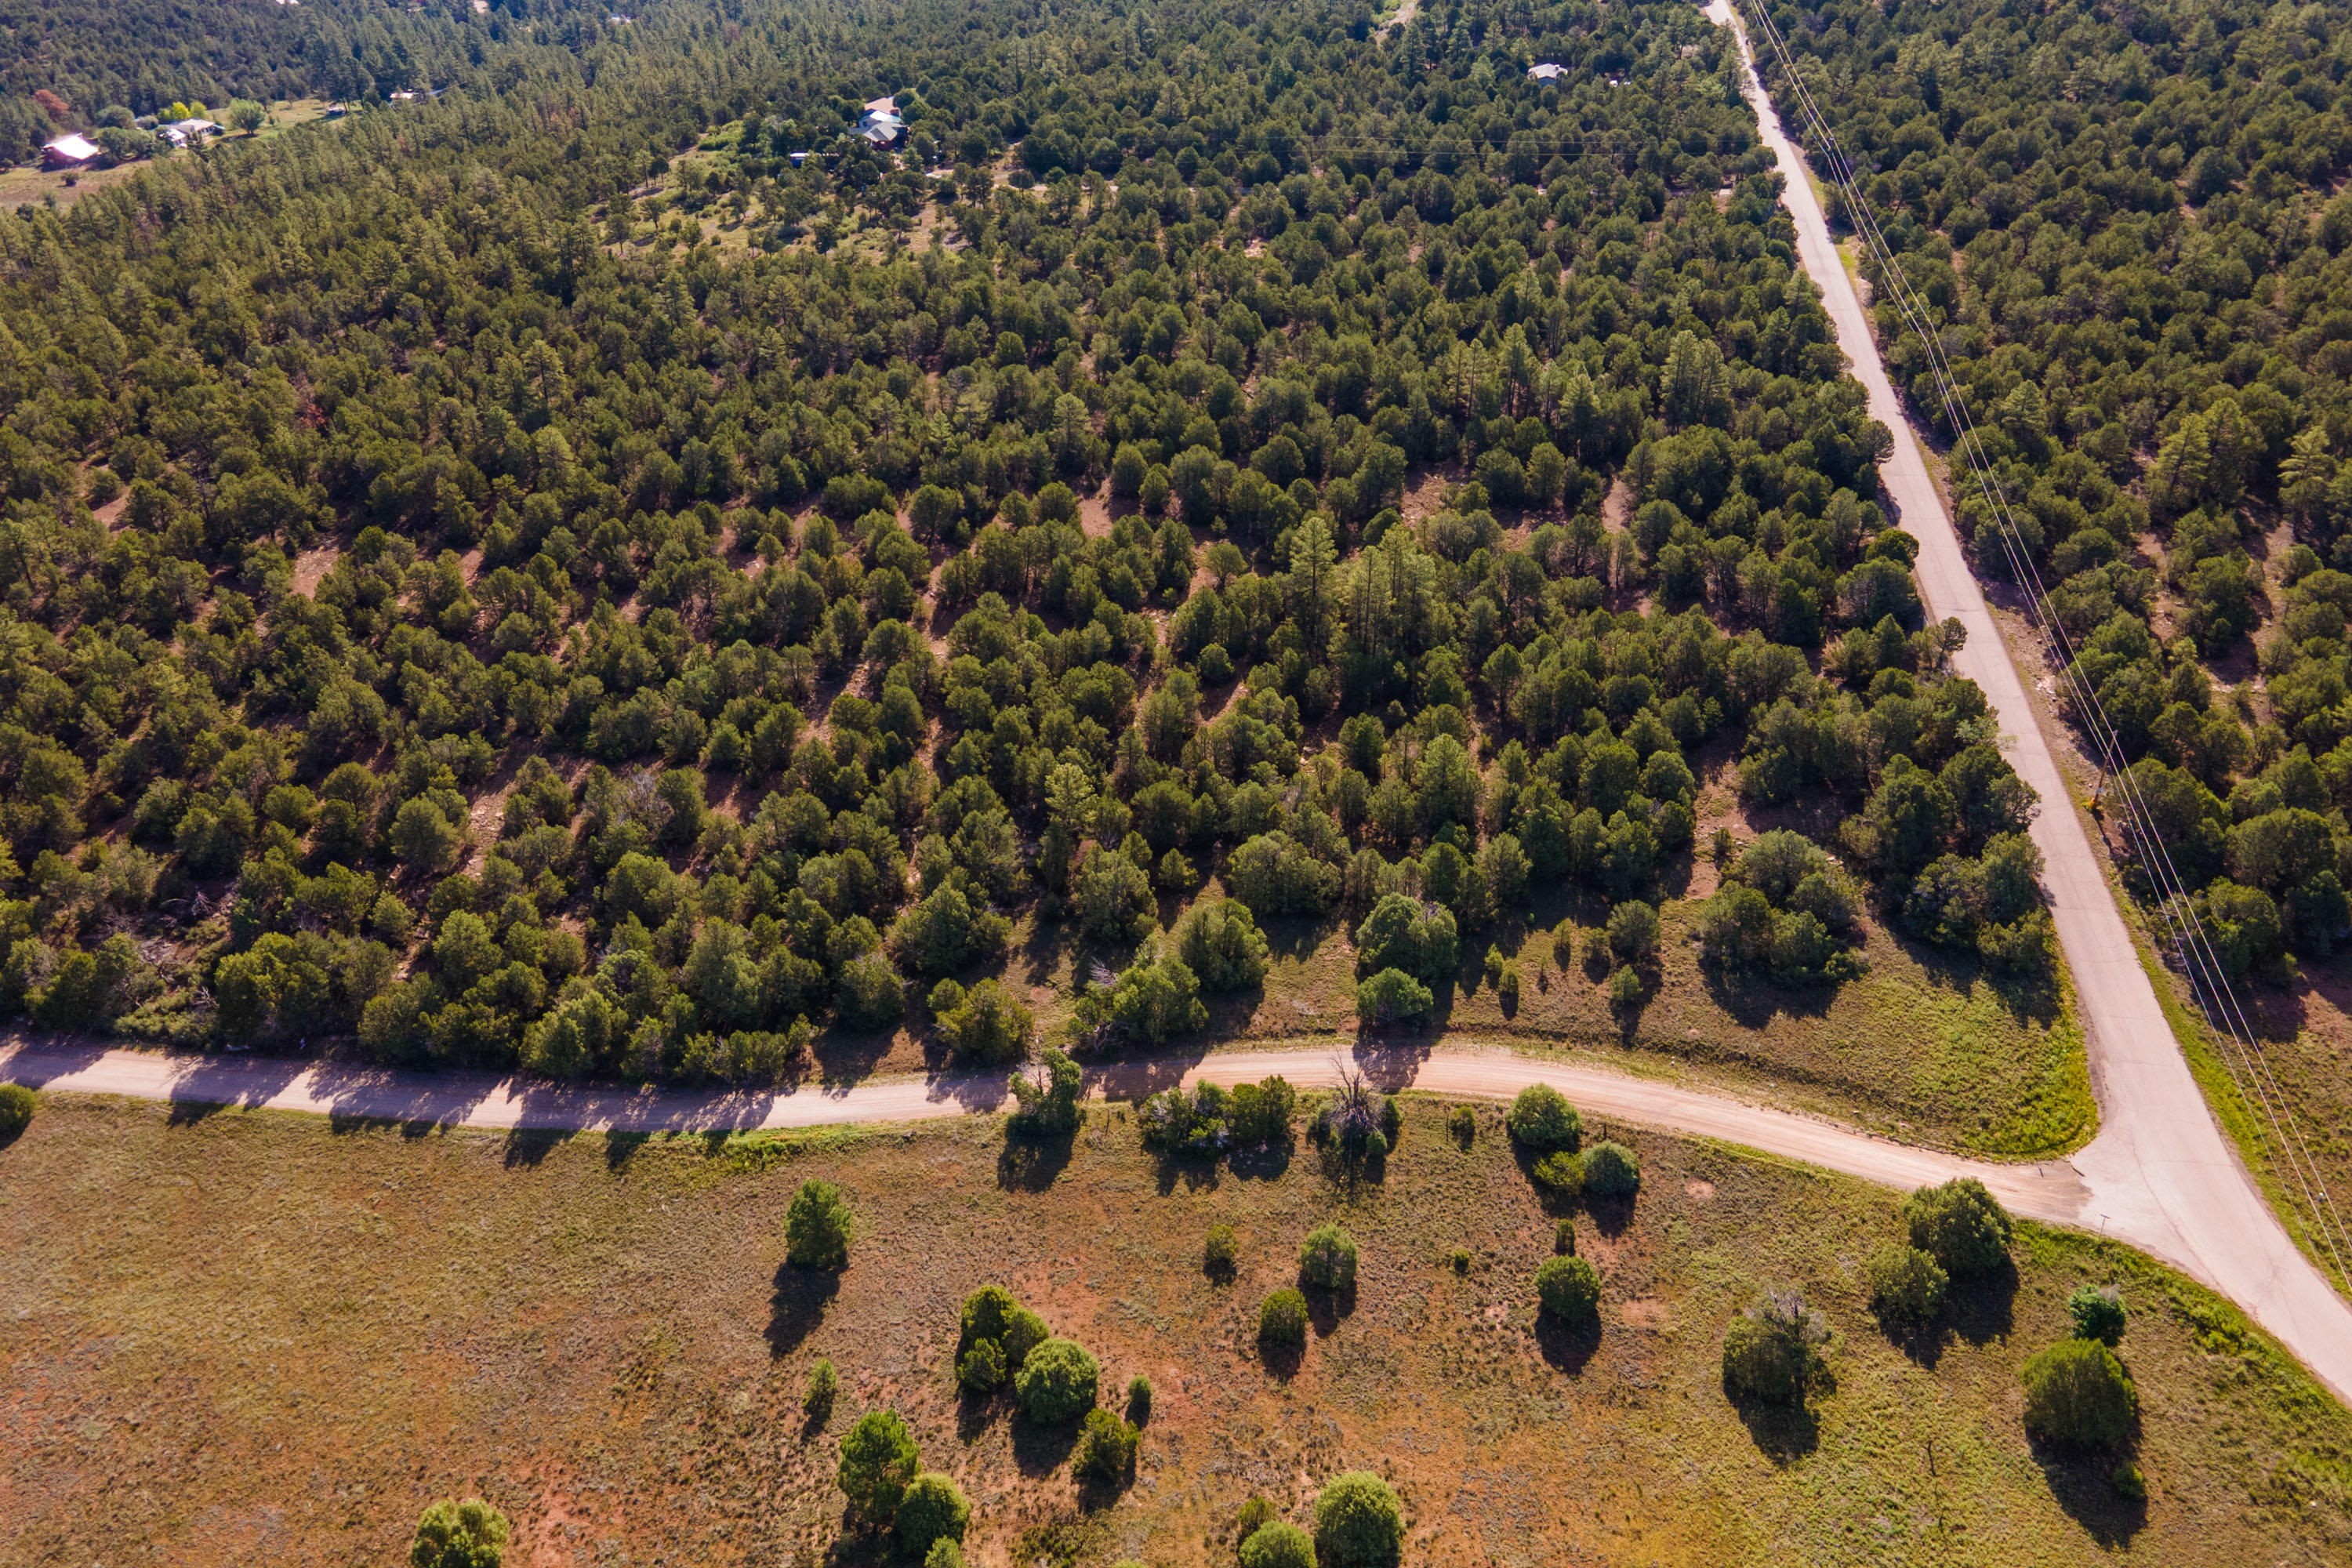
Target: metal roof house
[
  {"x": 68, "y": 152},
  {"x": 1547, "y": 72}
]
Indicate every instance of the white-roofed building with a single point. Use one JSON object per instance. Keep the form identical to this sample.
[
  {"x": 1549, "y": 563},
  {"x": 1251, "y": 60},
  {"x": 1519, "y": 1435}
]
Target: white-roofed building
[
  {"x": 1547, "y": 72},
  {"x": 68, "y": 152}
]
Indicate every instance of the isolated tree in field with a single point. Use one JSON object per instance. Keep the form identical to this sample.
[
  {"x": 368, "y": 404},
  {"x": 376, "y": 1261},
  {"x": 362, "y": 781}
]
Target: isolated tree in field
[
  {"x": 1541, "y": 1118},
  {"x": 1567, "y": 1289},
  {"x": 879, "y": 1461},
  {"x": 1359, "y": 1523},
  {"x": 2076, "y": 1392},
  {"x": 1959, "y": 1224},
  {"x": 1282, "y": 1320},
  {"x": 1278, "y": 1545},
  {"x": 1907, "y": 1285},
  {"x": 1107, "y": 1446},
  {"x": 17, "y": 1104},
  {"x": 1327, "y": 1259},
  {"x": 933, "y": 1509},
  {"x": 1773, "y": 1351},
  {"x": 1611, "y": 1169},
  {"x": 452, "y": 1534},
  {"x": 1058, "y": 1382},
  {"x": 818, "y": 1227},
  {"x": 245, "y": 115},
  {"x": 2098, "y": 1313}
]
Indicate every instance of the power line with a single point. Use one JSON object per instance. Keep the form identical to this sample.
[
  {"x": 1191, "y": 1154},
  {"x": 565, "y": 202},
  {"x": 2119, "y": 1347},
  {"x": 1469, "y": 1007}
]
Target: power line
[{"x": 2208, "y": 982}]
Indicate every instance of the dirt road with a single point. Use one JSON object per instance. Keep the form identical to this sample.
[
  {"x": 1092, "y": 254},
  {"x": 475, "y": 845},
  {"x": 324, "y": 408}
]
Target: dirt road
[{"x": 2160, "y": 1172}]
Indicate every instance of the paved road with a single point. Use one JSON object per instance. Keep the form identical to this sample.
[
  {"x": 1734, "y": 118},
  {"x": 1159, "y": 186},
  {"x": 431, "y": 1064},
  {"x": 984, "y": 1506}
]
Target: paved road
[{"x": 2160, "y": 1172}]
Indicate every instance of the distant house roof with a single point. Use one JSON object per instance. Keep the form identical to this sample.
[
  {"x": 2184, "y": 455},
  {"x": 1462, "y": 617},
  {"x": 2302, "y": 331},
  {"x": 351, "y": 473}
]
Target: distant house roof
[
  {"x": 69, "y": 149},
  {"x": 1547, "y": 72},
  {"x": 882, "y": 127}
]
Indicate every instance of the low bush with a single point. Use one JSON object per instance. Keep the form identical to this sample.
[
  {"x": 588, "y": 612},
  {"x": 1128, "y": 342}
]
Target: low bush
[
  {"x": 1252, "y": 1516},
  {"x": 1282, "y": 1320},
  {"x": 818, "y": 1227},
  {"x": 1278, "y": 1545},
  {"x": 980, "y": 1369},
  {"x": 944, "y": 1554},
  {"x": 997, "y": 1335},
  {"x": 1392, "y": 996},
  {"x": 1561, "y": 1175},
  {"x": 934, "y": 1509},
  {"x": 17, "y": 1104},
  {"x": 1358, "y": 1523},
  {"x": 1327, "y": 1259},
  {"x": 1563, "y": 1238},
  {"x": 1138, "y": 1399},
  {"x": 2076, "y": 1392},
  {"x": 1463, "y": 1122},
  {"x": 1907, "y": 1285},
  {"x": 1611, "y": 1169},
  {"x": 452, "y": 1534},
  {"x": 1219, "y": 1253},
  {"x": 2098, "y": 1314},
  {"x": 1105, "y": 1446},
  {"x": 1569, "y": 1289},
  {"x": 878, "y": 1462},
  {"x": 1959, "y": 1224},
  {"x": 824, "y": 1383},
  {"x": 1057, "y": 1381},
  {"x": 1773, "y": 1351},
  {"x": 1541, "y": 1118}
]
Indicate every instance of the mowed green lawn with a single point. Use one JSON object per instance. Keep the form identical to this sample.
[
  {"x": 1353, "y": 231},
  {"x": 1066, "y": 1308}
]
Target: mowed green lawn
[{"x": 240, "y": 1337}]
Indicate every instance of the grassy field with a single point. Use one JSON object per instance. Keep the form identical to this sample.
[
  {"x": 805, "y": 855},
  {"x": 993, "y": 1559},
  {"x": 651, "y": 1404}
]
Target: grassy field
[{"x": 243, "y": 1336}]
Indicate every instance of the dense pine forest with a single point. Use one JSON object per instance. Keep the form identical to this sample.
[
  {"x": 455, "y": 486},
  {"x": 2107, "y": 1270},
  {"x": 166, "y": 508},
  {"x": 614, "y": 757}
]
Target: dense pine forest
[
  {"x": 2129, "y": 227},
  {"x": 548, "y": 577}
]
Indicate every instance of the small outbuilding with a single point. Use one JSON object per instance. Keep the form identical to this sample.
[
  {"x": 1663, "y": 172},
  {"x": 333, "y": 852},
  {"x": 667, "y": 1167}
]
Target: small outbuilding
[
  {"x": 1547, "y": 72},
  {"x": 68, "y": 152}
]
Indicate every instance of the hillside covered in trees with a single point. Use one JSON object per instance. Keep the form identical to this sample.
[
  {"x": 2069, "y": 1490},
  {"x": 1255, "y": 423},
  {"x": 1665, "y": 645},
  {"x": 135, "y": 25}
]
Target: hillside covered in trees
[
  {"x": 2129, "y": 229},
  {"x": 448, "y": 605}
]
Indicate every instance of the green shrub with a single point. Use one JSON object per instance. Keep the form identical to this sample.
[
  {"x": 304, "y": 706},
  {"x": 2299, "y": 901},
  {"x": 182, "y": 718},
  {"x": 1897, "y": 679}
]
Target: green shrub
[
  {"x": 944, "y": 1554},
  {"x": 1219, "y": 940},
  {"x": 452, "y": 1534},
  {"x": 1260, "y": 1113},
  {"x": 1461, "y": 1260},
  {"x": 1563, "y": 944},
  {"x": 1358, "y": 1523},
  {"x": 1562, "y": 1174},
  {"x": 1219, "y": 1253},
  {"x": 1493, "y": 966},
  {"x": 2098, "y": 1314},
  {"x": 818, "y": 1227},
  {"x": 1633, "y": 932},
  {"x": 1057, "y": 1381},
  {"x": 1392, "y": 995},
  {"x": 1282, "y": 1320},
  {"x": 2129, "y": 1483},
  {"x": 1541, "y": 1118},
  {"x": 1327, "y": 1259},
  {"x": 986, "y": 1023},
  {"x": 1569, "y": 1289},
  {"x": 1611, "y": 1169},
  {"x": 17, "y": 1104},
  {"x": 1958, "y": 1225},
  {"x": 980, "y": 1369},
  {"x": 1278, "y": 1545},
  {"x": 2076, "y": 1392},
  {"x": 1105, "y": 1446},
  {"x": 934, "y": 1509},
  {"x": 1906, "y": 1286},
  {"x": 1506, "y": 987},
  {"x": 1563, "y": 1238},
  {"x": 879, "y": 1461},
  {"x": 1138, "y": 1399},
  {"x": 1773, "y": 1351},
  {"x": 824, "y": 1383},
  {"x": 1252, "y": 1517},
  {"x": 1626, "y": 988},
  {"x": 1463, "y": 1122}
]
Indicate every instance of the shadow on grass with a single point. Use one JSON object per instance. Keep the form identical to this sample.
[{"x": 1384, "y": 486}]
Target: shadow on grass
[
  {"x": 1753, "y": 1000},
  {"x": 620, "y": 1148},
  {"x": 1982, "y": 1308},
  {"x": 976, "y": 1413},
  {"x": 2082, "y": 1480},
  {"x": 1326, "y": 1310},
  {"x": 1282, "y": 1361},
  {"x": 1031, "y": 1161},
  {"x": 1567, "y": 1347},
  {"x": 526, "y": 1146},
  {"x": 1783, "y": 1434},
  {"x": 1611, "y": 1213},
  {"x": 797, "y": 1305},
  {"x": 1922, "y": 1343},
  {"x": 1039, "y": 1451}
]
